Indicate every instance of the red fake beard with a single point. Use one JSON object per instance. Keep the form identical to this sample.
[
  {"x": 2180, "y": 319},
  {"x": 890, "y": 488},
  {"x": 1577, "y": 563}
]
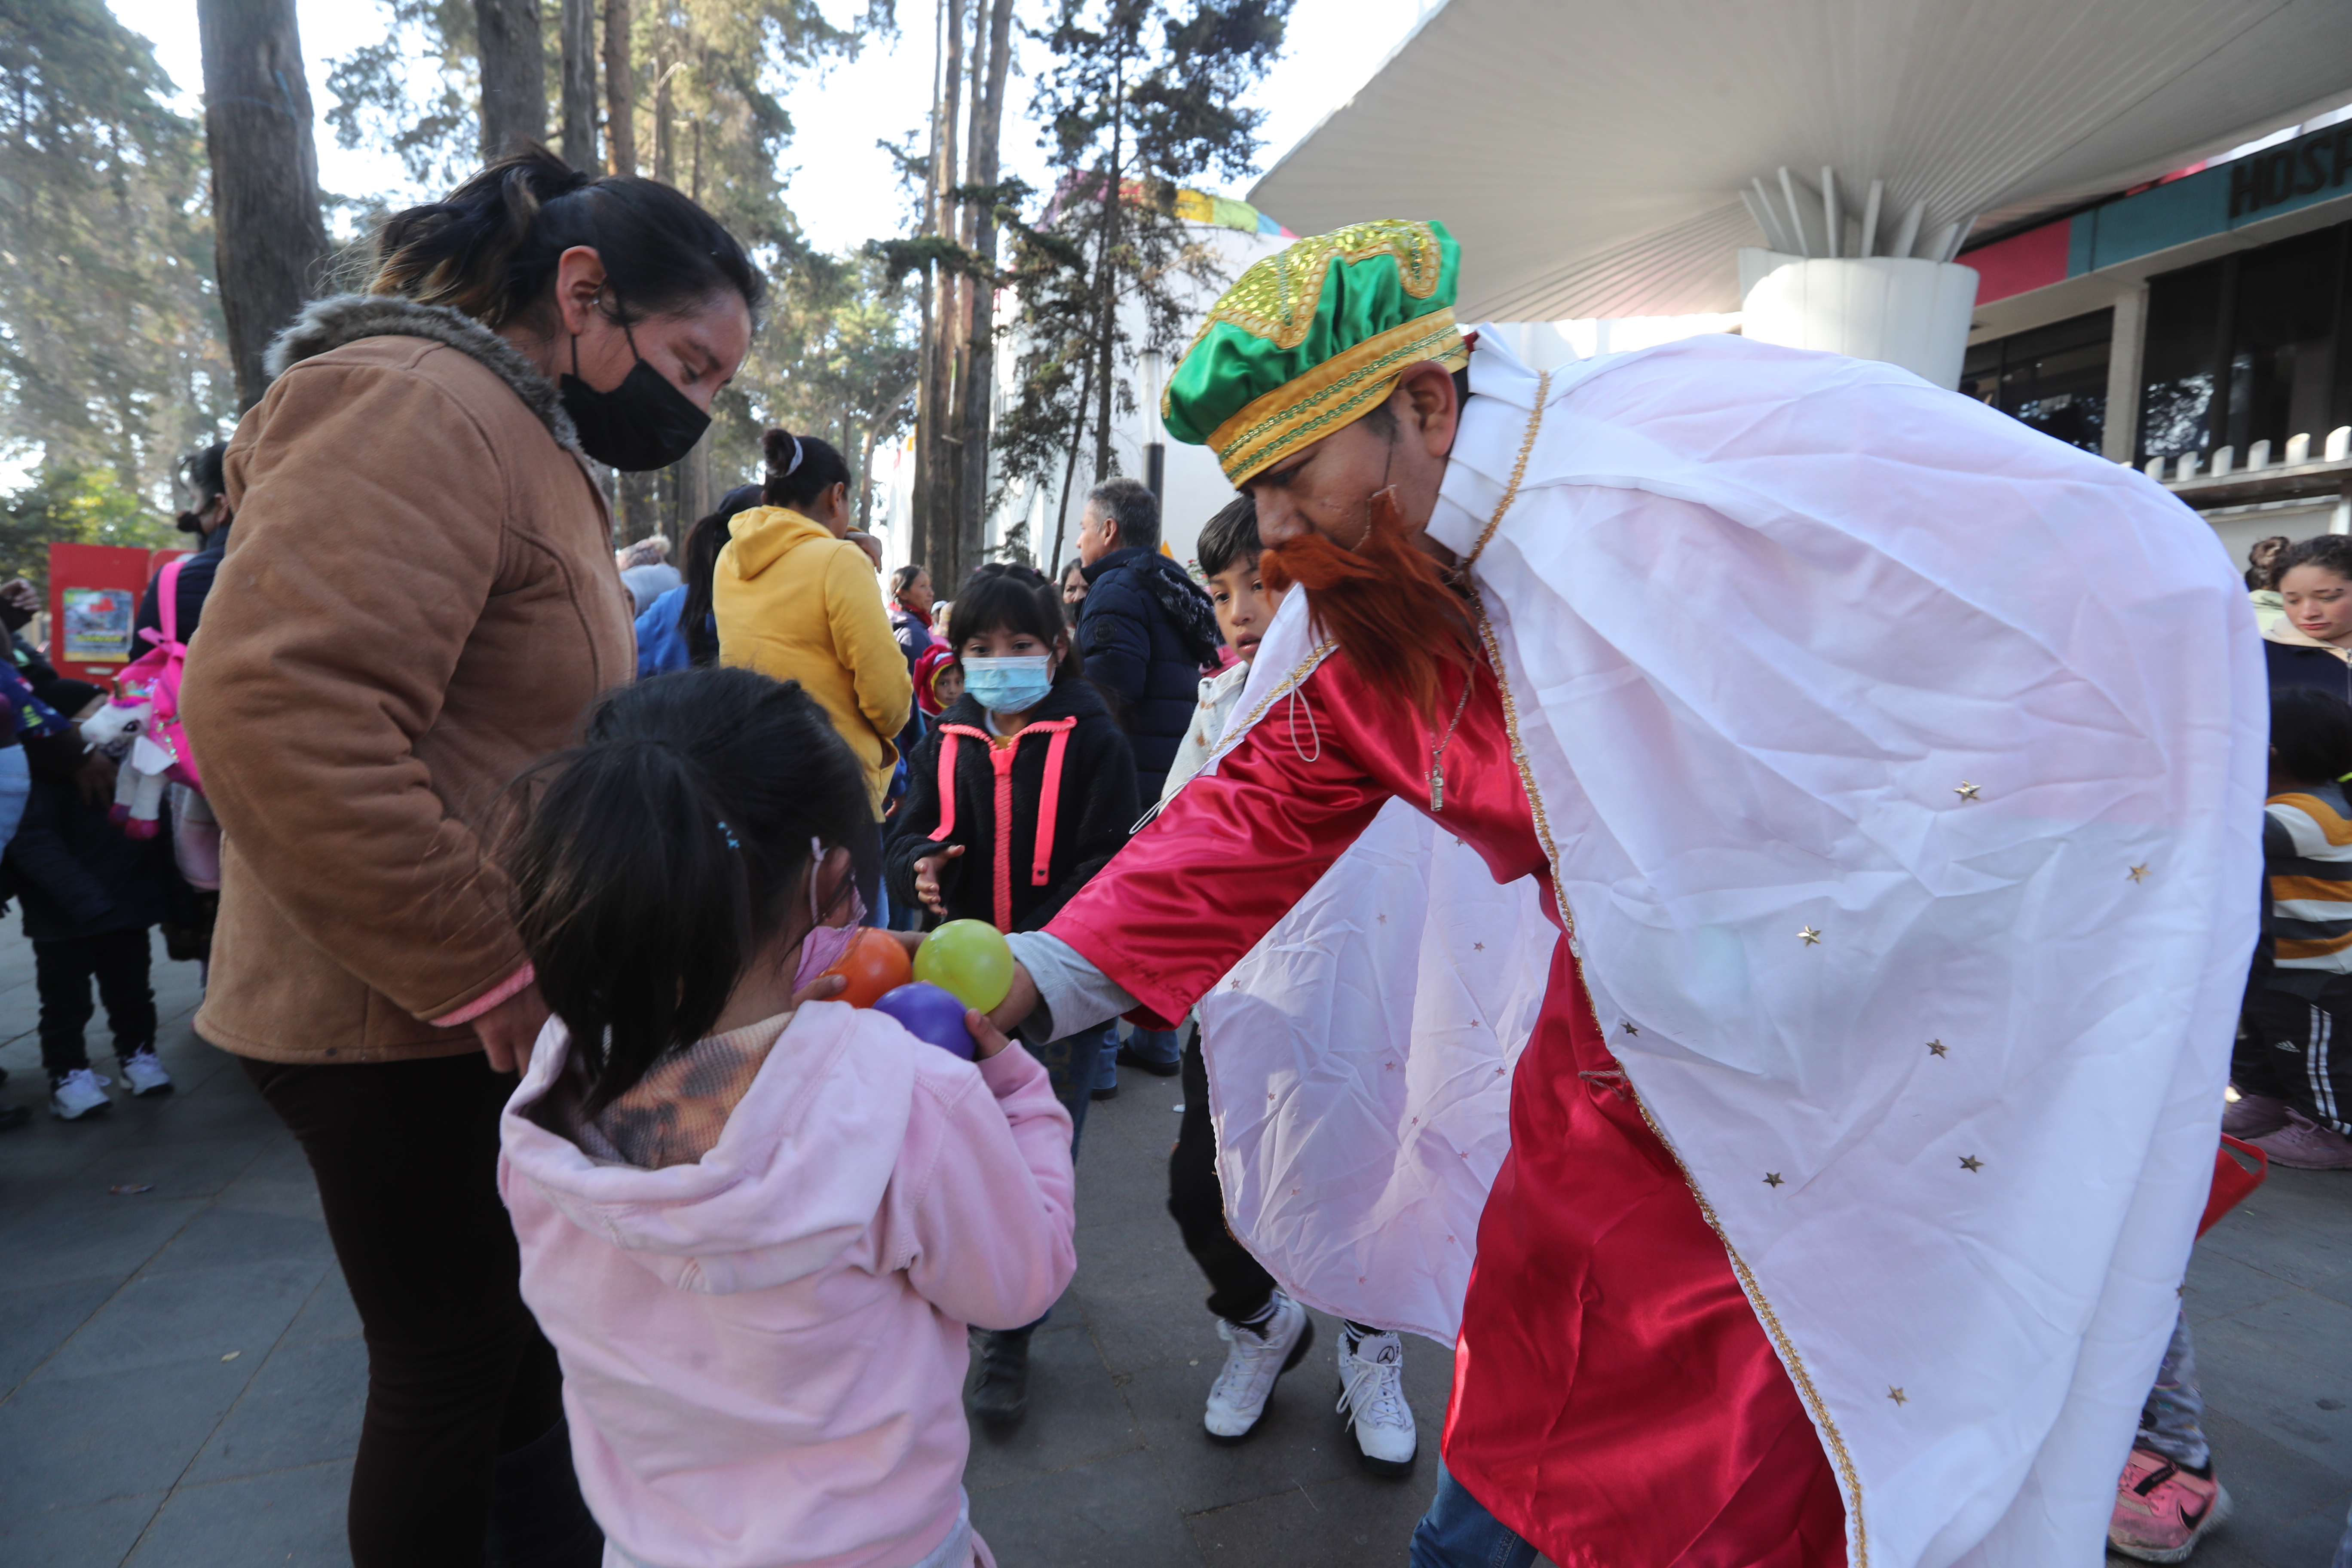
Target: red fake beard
[{"x": 1388, "y": 606}]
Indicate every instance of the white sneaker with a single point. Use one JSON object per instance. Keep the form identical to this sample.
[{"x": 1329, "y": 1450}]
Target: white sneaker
[
  {"x": 1371, "y": 1386},
  {"x": 78, "y": 1094},
  {"x": 1260, "y": 1354},
  {"x": 145, "y": 1074}
]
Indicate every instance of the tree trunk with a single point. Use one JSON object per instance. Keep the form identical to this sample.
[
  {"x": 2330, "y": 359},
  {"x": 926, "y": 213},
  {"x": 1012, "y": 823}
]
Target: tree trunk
[
  {"x": 865, "y": 483},
  {"x": 1107, "y": 278},
  {"x": 579, "y": 83},
  {"x": 947, "y": 468},
  {"x": 664, "y": 164},
  {"x": 514, "y": 75},
  {"x": 1070, "y": 468},
  {"x": 694, "y": 498},
  {"x": 979, "y": 371},
  {"x": 620, "y": 90},
  {"x": 922, "y": 545},
  {"x": 270, "y": 238}
]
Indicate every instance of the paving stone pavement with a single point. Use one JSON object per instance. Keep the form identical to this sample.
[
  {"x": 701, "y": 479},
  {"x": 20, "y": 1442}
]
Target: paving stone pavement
[{"x": 181, "y": 1375}]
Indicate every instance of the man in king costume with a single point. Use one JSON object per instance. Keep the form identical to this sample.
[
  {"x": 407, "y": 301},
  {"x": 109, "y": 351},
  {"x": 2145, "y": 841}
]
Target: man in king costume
[{"x": 1891, "y": 778}]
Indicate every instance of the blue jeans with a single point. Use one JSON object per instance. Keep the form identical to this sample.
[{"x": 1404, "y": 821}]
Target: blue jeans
[
  {"x": 2172, "y": 1422},
  {"x": 1458, "y": 1532},
  {"x": 1151, "y": 1045},
  {"x": 1070, "y": 1064}
]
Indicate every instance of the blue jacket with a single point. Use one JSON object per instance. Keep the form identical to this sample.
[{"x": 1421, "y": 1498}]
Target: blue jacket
[
  {"x": 77, "y": 874},
  {"x": 661, "y": 641},
  {"x": 2291, "y": 665},
  {"x": 1146, "y": 629}
]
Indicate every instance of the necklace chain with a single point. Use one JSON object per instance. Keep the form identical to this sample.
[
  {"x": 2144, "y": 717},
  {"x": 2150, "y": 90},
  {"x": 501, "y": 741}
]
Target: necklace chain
[{"x": 1437, "y": 751}]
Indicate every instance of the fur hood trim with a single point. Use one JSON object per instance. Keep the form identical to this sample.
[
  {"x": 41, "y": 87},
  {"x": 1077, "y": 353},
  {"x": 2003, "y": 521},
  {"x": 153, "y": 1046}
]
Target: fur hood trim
[{"x": 341, "y": 319}]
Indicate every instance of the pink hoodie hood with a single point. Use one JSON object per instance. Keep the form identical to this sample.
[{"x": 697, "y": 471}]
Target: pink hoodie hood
[
  {"x": 797, "y": 1175},
  {"x": 764, "y": 1350}
]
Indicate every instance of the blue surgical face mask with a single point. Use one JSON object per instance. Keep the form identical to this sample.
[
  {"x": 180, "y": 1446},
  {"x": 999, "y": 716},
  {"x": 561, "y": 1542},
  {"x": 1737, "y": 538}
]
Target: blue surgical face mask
[{"x": 1008, "y": 685}]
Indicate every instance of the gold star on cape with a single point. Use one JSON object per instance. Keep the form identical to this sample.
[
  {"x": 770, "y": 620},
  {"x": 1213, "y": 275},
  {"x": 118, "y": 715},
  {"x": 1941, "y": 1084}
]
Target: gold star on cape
[
  {"x": 1810, "y": 937},
  {"x": 1627, "y": 1025},
  {"x": 2139, "y": 873},
  {"x": 1971, "y": 1162},
  {"x": 1966, "y": 790},
  {"x": 1936, "y": 1047},
  {"x": 1897, "y": 1395},
  {"x": 1771, "y": 1178}
]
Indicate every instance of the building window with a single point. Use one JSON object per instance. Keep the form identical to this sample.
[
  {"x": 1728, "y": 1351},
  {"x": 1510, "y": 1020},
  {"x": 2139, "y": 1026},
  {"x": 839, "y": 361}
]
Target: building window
[
  {"x": 2268, "y": 327},
  {"x": 2054, "y": 378}
]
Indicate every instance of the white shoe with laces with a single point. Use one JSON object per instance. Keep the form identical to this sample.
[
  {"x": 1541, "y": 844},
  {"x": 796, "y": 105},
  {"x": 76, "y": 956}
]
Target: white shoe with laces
[
  {"x": 145, "y": 1074},
  {"x": 1261, "y": 1353},
  {"x": 78, "y": 1093},
  {"x": 1371, "y": 1395}
]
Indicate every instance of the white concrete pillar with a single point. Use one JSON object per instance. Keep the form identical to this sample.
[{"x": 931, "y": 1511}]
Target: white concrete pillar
[
  {"x": 2119, "y": 441},
  {"x": 1906, "y": 311}
]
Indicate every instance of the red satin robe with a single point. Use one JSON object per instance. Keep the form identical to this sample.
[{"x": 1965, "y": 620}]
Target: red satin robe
[{"x": 1615, "y": 1400}]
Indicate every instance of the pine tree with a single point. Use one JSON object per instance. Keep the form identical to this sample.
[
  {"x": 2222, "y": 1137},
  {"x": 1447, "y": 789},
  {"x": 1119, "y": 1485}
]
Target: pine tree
[
  {"x": 1139, "y": 101},
  {"x": 113, "y": 352}
]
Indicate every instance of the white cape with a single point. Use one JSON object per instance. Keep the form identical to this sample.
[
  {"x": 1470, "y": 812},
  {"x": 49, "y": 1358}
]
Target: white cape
[
  {"x": 1360, "y": 1062},
  {"x": 1797, "y": 643}
]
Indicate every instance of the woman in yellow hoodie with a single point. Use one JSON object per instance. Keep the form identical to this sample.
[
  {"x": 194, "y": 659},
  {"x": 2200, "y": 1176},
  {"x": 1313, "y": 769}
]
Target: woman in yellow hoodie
[{"x": 796, "y": 600}]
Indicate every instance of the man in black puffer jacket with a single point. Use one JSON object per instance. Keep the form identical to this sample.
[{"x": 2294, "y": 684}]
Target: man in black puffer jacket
[{"x": 1146, "y": 627}]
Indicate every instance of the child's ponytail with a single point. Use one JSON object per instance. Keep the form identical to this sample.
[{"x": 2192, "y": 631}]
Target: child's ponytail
[{"x": 652, "y": 861}]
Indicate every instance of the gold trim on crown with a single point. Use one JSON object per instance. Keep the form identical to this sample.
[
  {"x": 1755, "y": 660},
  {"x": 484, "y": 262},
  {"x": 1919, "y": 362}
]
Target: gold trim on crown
[
  {"x": 1342, "y": 389},
  {"x": 1275, "y": 298}
]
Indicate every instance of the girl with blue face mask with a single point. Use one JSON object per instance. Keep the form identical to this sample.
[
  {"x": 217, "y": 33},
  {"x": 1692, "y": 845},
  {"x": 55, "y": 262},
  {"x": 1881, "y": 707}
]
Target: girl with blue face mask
[
  {"x": 1022, "y": 790},
  {"x": 1012, "y": 803}
]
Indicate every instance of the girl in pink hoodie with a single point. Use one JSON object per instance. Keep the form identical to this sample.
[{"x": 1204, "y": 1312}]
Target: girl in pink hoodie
[{"x": 755, "y": 1224}]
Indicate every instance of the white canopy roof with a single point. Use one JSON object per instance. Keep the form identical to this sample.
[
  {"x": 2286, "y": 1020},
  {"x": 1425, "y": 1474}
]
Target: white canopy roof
[{"x": 1589, "y": 153}]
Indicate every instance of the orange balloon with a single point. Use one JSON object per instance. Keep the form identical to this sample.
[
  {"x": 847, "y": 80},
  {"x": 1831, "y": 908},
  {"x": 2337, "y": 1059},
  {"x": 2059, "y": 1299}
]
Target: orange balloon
[{"x": 874, "y": 965}]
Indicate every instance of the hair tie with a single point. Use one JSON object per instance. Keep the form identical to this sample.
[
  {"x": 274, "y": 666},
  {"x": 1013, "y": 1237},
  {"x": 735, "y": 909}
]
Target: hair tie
[
  {"x": 796, "y": 459},
  {"x": 728, "y": 833}
]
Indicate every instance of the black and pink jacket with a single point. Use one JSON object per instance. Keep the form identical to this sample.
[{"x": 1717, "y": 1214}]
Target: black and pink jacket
[{"x": 1036, "y": 818}]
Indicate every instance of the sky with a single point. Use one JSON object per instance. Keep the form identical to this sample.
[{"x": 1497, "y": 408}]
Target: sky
[{"x": 840, "y": 184}]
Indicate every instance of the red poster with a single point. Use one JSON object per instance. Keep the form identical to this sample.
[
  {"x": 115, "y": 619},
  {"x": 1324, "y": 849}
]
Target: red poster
[{"x": 94, "y": 591}]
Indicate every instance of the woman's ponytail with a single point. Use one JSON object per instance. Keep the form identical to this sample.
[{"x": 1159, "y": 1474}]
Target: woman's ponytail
[
  {"x": 490, "y": 248},
  {"x": 799, "y": 469},
  {"x": 653, "y": 862}
]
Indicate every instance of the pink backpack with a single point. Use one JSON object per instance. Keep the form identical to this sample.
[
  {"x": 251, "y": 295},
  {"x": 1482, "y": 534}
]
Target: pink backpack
[{"x": 157, "y": 671}]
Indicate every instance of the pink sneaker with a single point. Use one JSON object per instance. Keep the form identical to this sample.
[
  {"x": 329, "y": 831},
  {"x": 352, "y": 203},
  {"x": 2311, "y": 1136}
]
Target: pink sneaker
[
  {"x": 2305, "y": 1145},
  {"x": 2162, "y": 1511},
  {"x": 2251, "y": 1115}
]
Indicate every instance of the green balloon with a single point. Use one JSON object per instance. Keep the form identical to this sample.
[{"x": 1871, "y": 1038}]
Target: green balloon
[{"x": 969, "y": 959}]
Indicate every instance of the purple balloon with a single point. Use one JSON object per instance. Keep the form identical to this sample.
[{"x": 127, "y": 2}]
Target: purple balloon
[{"x": 930, "y": 1014}]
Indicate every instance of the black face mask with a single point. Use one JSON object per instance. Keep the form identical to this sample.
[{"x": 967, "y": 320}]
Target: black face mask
[{"x": 643, "y": 424}]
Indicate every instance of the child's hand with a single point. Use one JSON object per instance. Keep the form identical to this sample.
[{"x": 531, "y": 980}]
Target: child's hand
[
  {"x": 985, "y": 1035},
  {"x": 926, "y": 877},
  {"x": 823, "y": 988},
  {"x": 95, "y": 779}
]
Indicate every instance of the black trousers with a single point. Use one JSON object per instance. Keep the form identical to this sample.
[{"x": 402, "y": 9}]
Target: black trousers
[
  {"x": 2298, "y": 1048},
  {"x": 1239, "y": 1286},
  {"x": 459, "y": 1376},
  {"x": 62, "y": 971}
]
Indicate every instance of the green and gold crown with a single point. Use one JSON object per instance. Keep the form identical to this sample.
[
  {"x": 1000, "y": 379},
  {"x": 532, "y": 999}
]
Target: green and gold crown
[{"x": 1314, "y": 338}]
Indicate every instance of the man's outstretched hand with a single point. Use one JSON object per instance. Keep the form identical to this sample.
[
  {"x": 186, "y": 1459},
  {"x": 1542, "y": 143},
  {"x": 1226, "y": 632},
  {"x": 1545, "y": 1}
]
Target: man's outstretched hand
[{"x": 1019, "y": 1002}]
